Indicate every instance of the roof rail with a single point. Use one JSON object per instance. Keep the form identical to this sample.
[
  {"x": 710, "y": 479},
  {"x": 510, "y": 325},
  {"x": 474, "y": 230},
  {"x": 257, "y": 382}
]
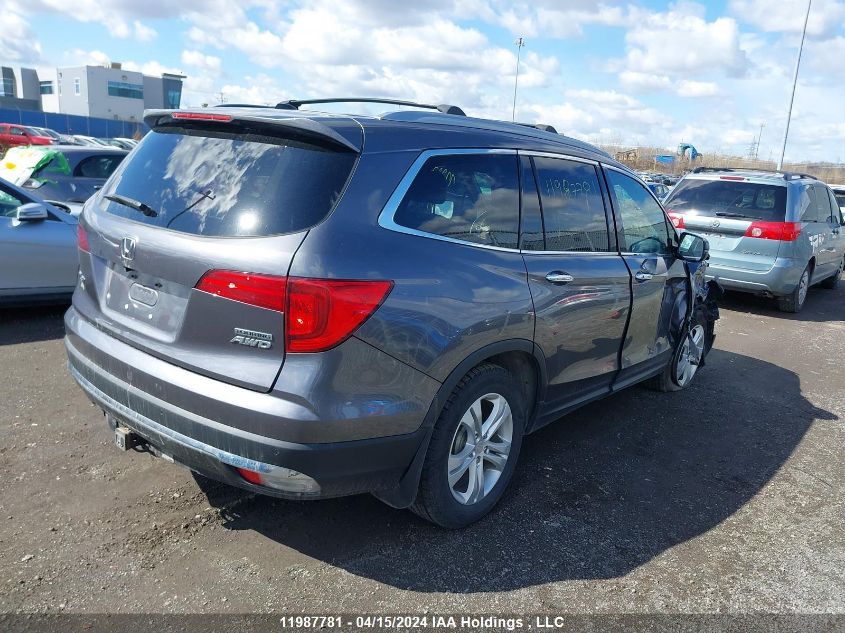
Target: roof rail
[
  {"x": 787, "y": 175},
  {"x": 294, "y": 104},
  {"x": 540, "y": 126}
]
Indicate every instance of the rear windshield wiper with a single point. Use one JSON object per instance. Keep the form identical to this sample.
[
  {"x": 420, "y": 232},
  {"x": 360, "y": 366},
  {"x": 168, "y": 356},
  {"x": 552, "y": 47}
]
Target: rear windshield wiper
[{"x": 146, "y": 209}]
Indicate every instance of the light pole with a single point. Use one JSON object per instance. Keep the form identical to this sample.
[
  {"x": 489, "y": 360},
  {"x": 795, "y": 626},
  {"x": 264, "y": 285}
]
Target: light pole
[
  {"x": 794, "y": 83},
  {"x": 520, "y": 42}
]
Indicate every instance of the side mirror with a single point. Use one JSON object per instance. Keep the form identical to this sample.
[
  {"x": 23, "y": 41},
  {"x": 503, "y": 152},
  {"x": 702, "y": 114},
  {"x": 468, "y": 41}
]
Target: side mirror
[
  {"x": 693, "y": 248},
  {"x": 31, "y": 212}
]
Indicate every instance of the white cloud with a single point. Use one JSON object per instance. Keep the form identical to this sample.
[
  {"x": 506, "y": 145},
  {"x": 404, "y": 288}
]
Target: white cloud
[
  {"x": 827, "y": 17},
  {"x": 18, "y": 43},
  {"x": 207, "y": 63},
  {"x": 142, "y": 32},
  {"x": 682, "y": 41},
  {"x": 649, "y": 82}
]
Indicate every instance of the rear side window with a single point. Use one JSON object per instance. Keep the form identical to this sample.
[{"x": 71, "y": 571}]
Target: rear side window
[
  {"x": 815, "y": 206},
  {"x": 97, "y": 166},
  {"x": 835, "y": 206},
  {"x": 729, "y": 198},
  {"x": 468, "y": 197},
  {"x": 224, "y": 184},
  {"x": 573, "y": 208}
]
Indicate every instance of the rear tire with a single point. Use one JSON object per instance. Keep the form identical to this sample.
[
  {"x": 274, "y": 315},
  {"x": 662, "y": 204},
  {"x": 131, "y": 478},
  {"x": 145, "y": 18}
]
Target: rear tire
[
  {"x": 832, "y": 282},
  {"x": 795, "y": 301},
  {"x": 688, "y": 356},
  {"x": 473, "y": 450}
]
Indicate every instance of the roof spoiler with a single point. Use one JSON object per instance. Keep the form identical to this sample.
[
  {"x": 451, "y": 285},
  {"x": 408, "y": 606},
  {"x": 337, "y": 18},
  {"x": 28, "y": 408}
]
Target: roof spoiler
[
  {"x": 303, "y": 127},
  {"x": 445, "y": 108}
]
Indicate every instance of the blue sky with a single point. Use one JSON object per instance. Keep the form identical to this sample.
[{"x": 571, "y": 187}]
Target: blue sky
[{"x": 614, "y": 72}]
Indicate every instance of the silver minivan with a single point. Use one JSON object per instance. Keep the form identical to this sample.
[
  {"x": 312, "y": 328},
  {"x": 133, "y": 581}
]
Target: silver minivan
[{"x": 770, "y": 233}]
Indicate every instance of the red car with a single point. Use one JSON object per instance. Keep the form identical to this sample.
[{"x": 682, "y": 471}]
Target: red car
[{"x": 12, "y": 135}]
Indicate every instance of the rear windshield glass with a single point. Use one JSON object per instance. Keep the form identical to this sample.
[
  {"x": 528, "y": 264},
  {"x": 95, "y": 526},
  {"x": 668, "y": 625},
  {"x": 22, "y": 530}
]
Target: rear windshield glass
[
  {"x": 219, "y": 184},
  {"x": 729, "y": 198}
]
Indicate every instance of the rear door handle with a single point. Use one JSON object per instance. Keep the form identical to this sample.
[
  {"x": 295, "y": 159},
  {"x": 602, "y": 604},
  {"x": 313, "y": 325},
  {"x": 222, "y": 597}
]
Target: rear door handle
[
  {"x": 642, "y": 275},
  {"x": 559, "y": 277}
]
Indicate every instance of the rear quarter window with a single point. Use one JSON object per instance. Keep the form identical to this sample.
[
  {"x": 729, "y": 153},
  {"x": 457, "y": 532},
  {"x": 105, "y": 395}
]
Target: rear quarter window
[
  {"x": 468, "y": 197},
  {"x": 229, "y": 184}
]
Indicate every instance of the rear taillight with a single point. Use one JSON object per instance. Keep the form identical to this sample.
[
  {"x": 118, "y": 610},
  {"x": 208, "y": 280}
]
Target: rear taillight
[
  {"x": 319, "y": 313},
  {"x": 322, "y": 313},
  {"x": 784, "y": 231},
  {"x": 264, "y": 291},
  {"x": 676, "y": 218},
  {"x": 82, "y": 239}
]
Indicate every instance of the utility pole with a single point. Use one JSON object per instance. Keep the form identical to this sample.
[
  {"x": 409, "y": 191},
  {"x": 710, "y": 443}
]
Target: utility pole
[
  {"x": 794, "y": 83},
  {"x": 520, "y": 42}
]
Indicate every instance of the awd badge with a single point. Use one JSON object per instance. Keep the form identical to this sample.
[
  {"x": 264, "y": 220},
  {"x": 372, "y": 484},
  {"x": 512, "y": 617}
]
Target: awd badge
[{"x": 251, "y": 338}]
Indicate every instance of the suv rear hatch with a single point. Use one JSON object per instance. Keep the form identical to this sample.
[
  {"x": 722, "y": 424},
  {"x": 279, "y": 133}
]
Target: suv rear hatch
[
  {"x": 186, "y": 250},
  {"x": 744, "y": 221}
]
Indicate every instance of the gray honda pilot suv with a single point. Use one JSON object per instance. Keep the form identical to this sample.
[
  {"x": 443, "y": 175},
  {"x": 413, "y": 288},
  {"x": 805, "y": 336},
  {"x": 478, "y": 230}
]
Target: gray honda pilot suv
[{"x": 309, "y": 304}]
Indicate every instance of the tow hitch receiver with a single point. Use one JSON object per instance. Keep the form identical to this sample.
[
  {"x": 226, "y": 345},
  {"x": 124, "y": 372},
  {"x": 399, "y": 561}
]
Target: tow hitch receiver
[{"x": 125, "y": 439}]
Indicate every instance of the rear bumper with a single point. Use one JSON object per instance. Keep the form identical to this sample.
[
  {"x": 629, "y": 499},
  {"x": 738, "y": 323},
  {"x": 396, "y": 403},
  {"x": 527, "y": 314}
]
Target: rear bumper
[
  {"x": 213, "y": 448},
  {"x": 781, "y": 279}
]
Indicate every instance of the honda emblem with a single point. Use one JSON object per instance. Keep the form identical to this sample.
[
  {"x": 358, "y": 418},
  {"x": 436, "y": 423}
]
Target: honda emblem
[{"x": 127, "y": 248}]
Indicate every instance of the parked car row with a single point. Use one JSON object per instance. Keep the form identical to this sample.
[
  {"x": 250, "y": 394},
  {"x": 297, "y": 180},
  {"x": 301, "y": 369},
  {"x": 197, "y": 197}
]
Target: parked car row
[{"x": 17, "y": 135}]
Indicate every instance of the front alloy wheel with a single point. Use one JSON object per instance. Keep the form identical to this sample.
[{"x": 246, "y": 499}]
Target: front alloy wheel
[
  {"x": 689, "y": 358},
  {"x": 480, "y": 448}
]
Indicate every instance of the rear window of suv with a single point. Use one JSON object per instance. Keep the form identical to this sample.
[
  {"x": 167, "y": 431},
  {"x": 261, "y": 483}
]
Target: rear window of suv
[
  {"x": 729, "y": 198},
  {"x": 228, "y": 185}
]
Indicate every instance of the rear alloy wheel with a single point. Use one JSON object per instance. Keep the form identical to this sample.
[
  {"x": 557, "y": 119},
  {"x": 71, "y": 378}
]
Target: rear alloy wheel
[
  {"x": 480, "y": 448},
  {"x": 795, "y": 301},
  {"x": 473, "y": 449},
  {"x": 832, "y": 282}
]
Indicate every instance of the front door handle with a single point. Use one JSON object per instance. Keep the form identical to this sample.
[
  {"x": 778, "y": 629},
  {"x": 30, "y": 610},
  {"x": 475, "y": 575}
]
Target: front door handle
[
  {"x": 558, "y": 277},
  {"x": 641, "y": 275}
]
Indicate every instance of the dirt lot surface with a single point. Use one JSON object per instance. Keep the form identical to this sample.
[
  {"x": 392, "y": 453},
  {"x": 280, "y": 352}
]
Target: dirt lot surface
[{"x": 727, "y": 497}]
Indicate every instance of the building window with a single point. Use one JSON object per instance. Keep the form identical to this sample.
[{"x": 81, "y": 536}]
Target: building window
[
  {"x": 76, "y": 86},
  {"x": 46, "y": 87},
  {"x": 124, "y": 89},
  {"x": 8, "y": 87}
]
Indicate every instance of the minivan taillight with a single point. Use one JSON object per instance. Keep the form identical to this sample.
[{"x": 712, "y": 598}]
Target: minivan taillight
[
  {"x": 676, "y": 218},
  {"x": 784, "y": 231},
  {"x": 82, "y": 239},
  {"x": 319, "y": 313}
]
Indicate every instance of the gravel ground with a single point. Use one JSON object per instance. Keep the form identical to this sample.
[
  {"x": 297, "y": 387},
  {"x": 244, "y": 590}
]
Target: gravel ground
[{"x": 725, "y": 498}]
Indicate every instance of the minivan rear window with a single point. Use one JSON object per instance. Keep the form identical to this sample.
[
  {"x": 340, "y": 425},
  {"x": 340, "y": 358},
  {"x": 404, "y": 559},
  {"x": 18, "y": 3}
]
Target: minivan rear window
[
  {"x": 227, "y": 185},
  {"x": 729, "y": 198}
]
